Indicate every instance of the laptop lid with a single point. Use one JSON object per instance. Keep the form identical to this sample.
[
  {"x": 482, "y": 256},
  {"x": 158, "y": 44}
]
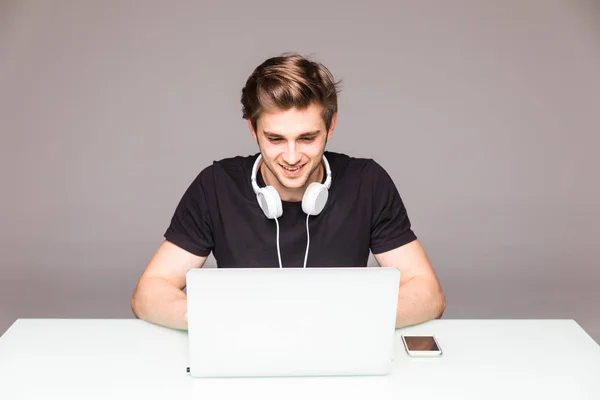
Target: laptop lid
[{"x": 291, "y": 322}]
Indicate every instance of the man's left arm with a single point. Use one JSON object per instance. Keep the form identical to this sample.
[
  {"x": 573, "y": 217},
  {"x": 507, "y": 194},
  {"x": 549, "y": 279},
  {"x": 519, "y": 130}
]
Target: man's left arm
[{"x": 420, "y": 297}]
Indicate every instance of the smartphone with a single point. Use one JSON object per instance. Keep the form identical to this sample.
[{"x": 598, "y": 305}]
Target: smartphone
[{"x": 421, "y": 346}]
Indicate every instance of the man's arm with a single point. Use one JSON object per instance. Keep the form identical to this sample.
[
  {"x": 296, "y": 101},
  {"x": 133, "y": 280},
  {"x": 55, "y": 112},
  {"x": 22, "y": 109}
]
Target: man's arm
[
  {"x": 158, "y": 297},
  {"x": 420, "y": 297}
]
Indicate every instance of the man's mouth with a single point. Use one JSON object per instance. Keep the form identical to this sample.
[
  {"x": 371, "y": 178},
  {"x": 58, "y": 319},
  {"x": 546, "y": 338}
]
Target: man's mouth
[{"x": 292, "y": 170}]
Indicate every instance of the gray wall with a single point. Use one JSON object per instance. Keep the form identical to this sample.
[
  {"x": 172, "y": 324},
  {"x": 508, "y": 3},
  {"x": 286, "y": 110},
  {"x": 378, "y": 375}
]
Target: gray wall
[{"x": 486, "y": 114}]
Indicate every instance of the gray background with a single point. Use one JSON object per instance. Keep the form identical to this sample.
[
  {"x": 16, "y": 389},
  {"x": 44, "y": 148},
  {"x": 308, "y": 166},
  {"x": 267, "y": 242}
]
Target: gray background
[{"x": 486, "y": 115}]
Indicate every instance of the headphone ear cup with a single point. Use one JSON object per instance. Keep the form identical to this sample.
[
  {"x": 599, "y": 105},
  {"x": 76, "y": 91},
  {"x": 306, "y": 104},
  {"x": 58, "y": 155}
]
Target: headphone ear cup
[
  {"x": 270, "y": 202},
  {"x": 315, "y": 198}
]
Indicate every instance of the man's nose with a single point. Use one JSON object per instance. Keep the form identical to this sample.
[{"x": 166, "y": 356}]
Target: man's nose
[{"x": 291, "y": 156}]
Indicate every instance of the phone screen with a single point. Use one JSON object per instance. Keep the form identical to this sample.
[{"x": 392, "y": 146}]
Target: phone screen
[{"x": 421, "y": 343}]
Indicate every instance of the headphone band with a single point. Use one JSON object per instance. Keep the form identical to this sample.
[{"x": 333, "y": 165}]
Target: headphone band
[
  {"x": 327, "y": 171},
  {"x": 253, "y": 176}
]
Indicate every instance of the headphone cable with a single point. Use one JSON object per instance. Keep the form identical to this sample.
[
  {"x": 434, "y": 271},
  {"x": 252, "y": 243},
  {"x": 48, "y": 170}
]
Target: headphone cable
[
  {"x": 278, "y": 252},
  {"x": 307, "y": 241}
]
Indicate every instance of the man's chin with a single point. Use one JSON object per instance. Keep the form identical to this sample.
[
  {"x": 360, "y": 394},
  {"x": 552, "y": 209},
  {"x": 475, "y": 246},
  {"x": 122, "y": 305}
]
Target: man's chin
[{"x": 292, "y": 183}]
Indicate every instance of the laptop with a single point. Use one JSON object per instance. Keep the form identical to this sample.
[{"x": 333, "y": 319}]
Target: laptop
[{"x": 269, "y": 322}]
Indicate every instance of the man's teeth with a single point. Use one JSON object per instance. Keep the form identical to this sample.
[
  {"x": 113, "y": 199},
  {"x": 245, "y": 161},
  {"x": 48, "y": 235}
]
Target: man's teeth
[{"x": 292, "y": 169}]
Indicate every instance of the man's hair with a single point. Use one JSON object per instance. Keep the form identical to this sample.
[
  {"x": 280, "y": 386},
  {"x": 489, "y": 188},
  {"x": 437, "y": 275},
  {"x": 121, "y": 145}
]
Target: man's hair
[{"x": 289, "y": 81}]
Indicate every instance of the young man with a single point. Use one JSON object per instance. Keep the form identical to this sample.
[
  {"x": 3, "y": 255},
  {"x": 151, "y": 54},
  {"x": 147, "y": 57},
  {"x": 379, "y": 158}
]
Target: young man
[{"x": 290, "y": 104}]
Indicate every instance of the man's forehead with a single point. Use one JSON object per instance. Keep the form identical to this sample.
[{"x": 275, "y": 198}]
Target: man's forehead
[{"x": 291, "y": 123}]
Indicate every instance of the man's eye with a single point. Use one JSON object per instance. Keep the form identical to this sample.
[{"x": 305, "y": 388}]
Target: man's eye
[
  {"x": 308, "y": 139},
  {"x": 275, "y": 140}
]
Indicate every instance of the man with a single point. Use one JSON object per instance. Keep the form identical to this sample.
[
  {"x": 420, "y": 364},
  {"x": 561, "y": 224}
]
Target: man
[{"x": 290, "y": 104}]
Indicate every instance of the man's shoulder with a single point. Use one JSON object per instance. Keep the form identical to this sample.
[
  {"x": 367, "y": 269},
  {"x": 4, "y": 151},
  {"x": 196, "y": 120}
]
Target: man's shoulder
[
  {"x": 225, "y": 171},
  {"x": 235, "y": 165},
  {"x": 344, "y": 165},
  {"x": 343, "y": 161}
]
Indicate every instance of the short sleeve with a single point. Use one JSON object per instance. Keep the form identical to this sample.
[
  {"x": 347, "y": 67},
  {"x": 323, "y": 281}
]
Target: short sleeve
[
  {"x": 390, "y": 227},
  {"x": 190, "y": 226}
]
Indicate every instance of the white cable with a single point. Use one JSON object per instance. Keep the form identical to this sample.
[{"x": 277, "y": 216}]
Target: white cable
[
  {"x": 278, "y": 252},
  {"x": 307, "y": 241}
]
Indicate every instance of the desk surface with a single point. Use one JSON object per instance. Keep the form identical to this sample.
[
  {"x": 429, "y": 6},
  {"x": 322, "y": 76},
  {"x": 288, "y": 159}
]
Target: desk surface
[{"x": 126, "y": 359}]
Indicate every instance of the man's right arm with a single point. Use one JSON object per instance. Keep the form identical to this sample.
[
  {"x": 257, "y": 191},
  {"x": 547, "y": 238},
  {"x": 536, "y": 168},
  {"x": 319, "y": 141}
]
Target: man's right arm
[{"x": 158, "y": 297}]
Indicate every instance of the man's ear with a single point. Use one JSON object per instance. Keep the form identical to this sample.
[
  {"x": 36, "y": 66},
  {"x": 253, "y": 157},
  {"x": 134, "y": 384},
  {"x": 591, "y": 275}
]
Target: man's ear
[
  {"x": 332, "y": 126},
  {"x": 251, "y": 128}
]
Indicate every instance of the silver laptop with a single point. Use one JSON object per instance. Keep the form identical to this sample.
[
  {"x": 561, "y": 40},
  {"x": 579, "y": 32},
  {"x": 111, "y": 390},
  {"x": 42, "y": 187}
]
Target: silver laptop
[{"x": 251, "y": 322}]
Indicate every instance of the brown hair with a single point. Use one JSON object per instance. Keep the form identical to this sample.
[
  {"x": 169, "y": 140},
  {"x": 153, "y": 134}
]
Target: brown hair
[{"x": 289, "y": 81}]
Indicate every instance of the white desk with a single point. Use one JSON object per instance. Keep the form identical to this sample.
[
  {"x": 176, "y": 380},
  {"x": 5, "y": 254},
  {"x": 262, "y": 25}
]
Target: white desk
[{"x": 131, "y": 359}]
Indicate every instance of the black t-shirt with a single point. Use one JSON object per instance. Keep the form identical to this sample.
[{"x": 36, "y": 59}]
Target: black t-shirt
[{"x": 219, "y": 213}]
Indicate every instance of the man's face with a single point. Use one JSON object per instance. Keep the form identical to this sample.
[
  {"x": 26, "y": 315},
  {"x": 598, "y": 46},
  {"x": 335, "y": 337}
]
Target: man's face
[{"x": 292, "y": 143}]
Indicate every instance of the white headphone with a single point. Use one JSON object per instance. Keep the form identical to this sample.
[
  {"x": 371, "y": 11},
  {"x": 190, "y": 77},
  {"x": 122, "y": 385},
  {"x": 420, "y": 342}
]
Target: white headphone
[{"x": 313, "y": 201}]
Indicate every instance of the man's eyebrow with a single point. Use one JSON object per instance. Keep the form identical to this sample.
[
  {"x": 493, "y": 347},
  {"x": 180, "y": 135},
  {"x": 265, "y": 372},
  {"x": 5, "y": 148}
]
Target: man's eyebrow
[{"x": 311, "y": 133}]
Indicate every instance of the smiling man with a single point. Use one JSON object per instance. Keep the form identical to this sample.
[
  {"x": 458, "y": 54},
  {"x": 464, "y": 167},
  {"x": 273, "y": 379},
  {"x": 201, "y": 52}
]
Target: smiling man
[{"x": 258, "y": 210}]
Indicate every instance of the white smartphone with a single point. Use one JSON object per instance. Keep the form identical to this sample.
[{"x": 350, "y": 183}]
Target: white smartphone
[{"x": 421, "y": 346}]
